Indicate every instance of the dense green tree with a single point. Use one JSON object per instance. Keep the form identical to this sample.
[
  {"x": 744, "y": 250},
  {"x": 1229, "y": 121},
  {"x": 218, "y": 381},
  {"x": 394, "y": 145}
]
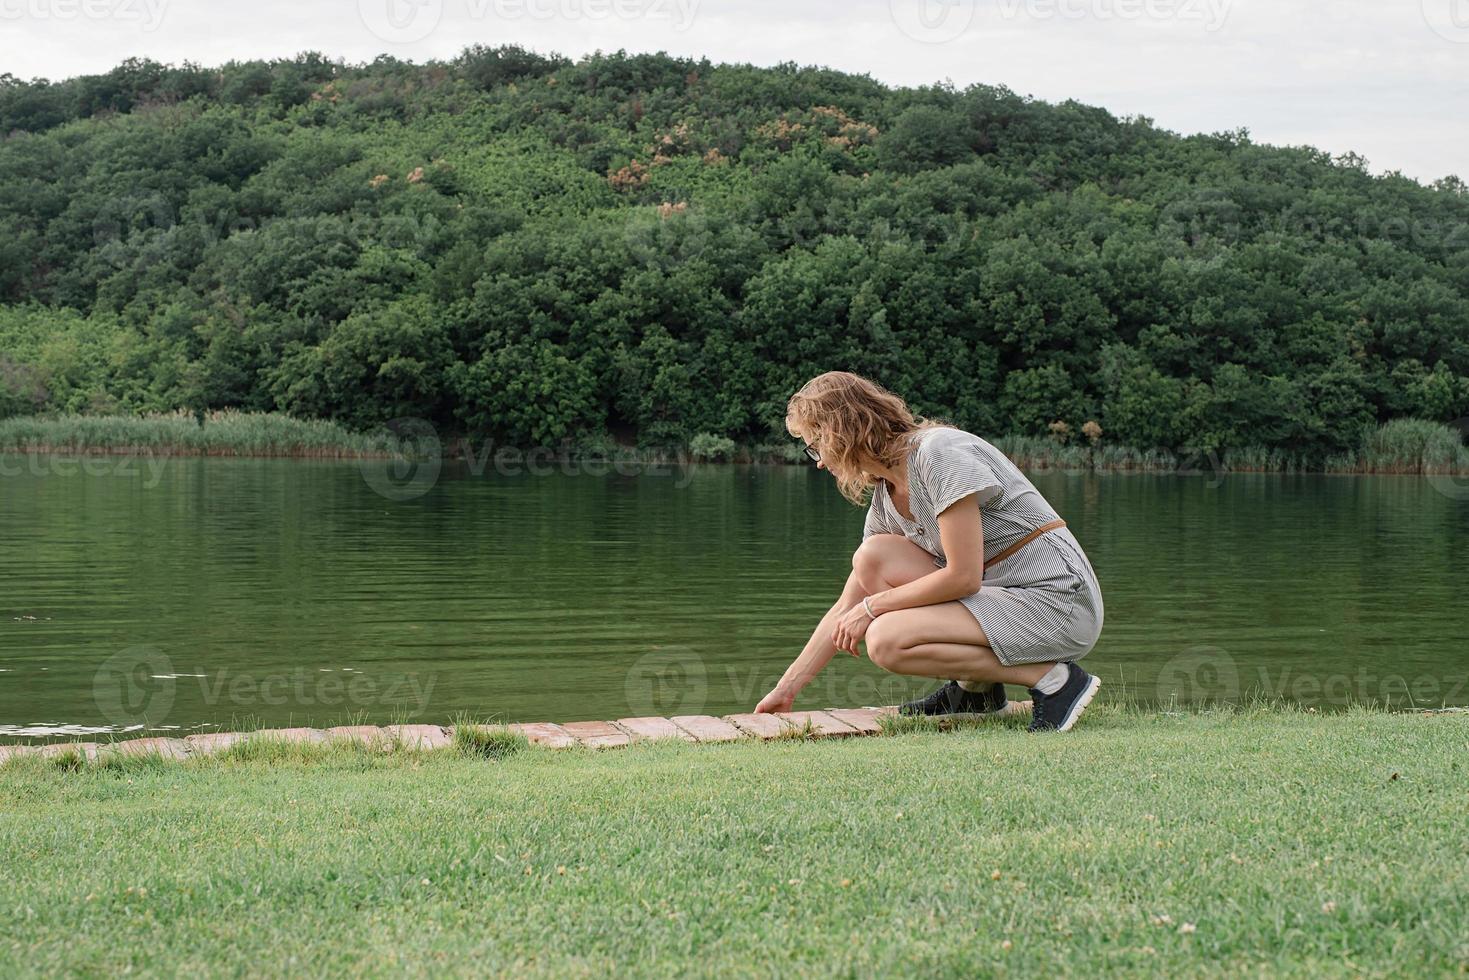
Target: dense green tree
[{"x": 538, "y": 249}]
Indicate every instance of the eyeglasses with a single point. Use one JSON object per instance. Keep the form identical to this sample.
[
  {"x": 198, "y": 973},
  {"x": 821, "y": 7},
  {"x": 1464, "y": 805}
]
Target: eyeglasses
[{"x": 815, "y": 454}]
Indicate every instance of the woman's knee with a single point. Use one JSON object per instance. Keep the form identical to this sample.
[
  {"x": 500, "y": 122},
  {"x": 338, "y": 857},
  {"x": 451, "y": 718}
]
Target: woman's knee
[
  {"x": 878, "y": 562},
  {"x": 885, "y": 645}
]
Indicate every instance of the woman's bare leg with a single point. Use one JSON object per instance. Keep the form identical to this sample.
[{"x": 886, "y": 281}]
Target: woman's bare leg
[{"x": 943, "y": 641}]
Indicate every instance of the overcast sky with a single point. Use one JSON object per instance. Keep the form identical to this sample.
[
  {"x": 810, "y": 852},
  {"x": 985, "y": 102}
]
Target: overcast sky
[{"x": 1388, "y": 79}]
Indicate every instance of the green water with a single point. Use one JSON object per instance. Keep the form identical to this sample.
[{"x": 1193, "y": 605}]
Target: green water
[{"x": 187, "y": 594}]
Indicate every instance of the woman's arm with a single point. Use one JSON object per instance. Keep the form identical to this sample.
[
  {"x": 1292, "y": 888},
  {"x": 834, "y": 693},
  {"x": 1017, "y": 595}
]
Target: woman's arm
[
  {"x": 962, "y": 537},
  {"x": 817, "y": 653}
]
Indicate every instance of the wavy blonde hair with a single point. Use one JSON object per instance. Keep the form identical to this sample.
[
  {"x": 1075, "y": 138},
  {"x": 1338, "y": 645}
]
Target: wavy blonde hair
[{"x": 852, "y": 421}]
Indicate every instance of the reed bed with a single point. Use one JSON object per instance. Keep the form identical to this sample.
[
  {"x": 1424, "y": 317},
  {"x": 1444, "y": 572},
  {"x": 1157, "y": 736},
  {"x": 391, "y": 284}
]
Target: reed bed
[
  {"x": 1404, "y": 446},
  {"x": 222, "y": 433}
]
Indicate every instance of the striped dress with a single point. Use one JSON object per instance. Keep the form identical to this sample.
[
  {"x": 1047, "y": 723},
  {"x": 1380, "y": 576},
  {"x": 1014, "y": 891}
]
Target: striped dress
[{"x": 1042, "y": 603}]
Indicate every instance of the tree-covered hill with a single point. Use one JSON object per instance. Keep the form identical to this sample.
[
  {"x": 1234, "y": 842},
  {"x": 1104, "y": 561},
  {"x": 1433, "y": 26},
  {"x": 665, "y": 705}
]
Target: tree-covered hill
[{"x": 535, "y": 249}]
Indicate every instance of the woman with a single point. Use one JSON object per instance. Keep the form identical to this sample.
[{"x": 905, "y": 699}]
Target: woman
[{"x": 964, "y": 572}]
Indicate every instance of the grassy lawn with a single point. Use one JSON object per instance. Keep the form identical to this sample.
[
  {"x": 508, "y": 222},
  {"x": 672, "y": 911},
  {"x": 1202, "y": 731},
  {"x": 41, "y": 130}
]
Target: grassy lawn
[{"x": 1269, "y": 841}]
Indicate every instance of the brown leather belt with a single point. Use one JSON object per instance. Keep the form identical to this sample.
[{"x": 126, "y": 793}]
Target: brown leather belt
[{"x": 1043, "y": 529}]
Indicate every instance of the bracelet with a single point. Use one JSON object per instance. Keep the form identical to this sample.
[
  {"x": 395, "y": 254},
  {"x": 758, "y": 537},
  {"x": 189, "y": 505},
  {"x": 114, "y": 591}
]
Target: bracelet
[{"x": 867, "y": 607}]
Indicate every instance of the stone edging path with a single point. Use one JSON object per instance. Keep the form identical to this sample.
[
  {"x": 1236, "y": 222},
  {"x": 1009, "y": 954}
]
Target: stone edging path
[{"x": 830, "y": 723}]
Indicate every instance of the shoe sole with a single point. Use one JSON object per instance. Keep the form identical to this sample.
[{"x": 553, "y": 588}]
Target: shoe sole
[
  {"x": 1081, "y": 703},
  {"x": 1010, "y": 708}
]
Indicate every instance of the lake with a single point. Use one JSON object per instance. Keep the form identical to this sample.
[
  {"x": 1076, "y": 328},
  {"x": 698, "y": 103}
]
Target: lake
[{"x": 182, "y": 594}]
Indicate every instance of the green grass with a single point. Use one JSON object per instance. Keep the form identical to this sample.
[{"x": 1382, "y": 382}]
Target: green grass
[
  {"x": 1404, "y": 446},
  {"x": 1292, "y": 844},
  {"x": 226, "y": 433}
]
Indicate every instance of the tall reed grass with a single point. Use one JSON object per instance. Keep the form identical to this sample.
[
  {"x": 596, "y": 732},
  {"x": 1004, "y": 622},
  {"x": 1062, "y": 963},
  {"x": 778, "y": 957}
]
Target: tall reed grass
[
  {"x": 224, "y": 433},
  {"x": 1409, "y": 446}
]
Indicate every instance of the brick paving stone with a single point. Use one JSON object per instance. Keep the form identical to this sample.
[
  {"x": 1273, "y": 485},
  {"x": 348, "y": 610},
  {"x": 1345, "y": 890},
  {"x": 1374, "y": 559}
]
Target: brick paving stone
[
  {"x": 419, "y": 737},
  {"x": 8, "y": 752},
  {"x": 213, "y": 743},
  {"x": 596, "y": 734},
  {"x": 296, "y": 736},
  {"x": 544, "y": 734},
  {"x": 823, "y": 725},
  {"x": 652, "y": 727},
  {"x": 865, "y": 720},
  {"x": 168, "y": 748},
  {"x": 764, "y": 726},
  {"x": 1018, "y": 708},
  {"x": 88, "y": 750},
  {"x": 369, "y": 735},
  {"x": 707, "y": 728}
]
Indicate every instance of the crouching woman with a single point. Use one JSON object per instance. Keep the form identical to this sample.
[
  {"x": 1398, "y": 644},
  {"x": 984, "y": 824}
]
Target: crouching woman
[{"x": 965, "y": 572}]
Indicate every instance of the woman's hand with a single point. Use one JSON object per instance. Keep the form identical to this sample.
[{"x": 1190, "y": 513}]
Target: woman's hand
[
  {"x": 850, "y": 629},
  {"x": 776, "y": 700}
]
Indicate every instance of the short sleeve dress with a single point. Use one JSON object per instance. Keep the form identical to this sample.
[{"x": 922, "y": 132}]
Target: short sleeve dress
[{"x": 1040, "y": 604}]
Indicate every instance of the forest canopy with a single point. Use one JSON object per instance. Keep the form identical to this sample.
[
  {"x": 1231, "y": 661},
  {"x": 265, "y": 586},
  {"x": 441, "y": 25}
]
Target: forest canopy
[{"x": 651, "y": 248}]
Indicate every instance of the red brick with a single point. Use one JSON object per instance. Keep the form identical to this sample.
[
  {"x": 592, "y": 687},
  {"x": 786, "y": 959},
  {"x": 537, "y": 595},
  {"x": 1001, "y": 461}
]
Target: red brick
[
  {"x": 596, "y": 734},
  {"x": 168, "y": 748},
  {"x": 865, "y": 720},
  {"x": 707, "y": 728},
  {"x": 544, "y": 733},
  {"x": 369, "y": 735},
  {"x": 764, "y": 726},
  {"x": 296, "y": 736},
  {"x": 648, "y": 728},
  {"x": 87, "y": 750},
  {"x": 1018, "y": 708},
  {"x": 823, "y": 725},
  {"x": 212, "y": 743},
  {"x": 419, "y": 737},
  {"x": 8, "y": 752}
]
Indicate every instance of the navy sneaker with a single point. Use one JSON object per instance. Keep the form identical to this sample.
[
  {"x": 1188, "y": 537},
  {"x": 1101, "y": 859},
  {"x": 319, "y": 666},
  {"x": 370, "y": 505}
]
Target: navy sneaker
[
  {"x": 951, "y": 699},
  {"x": 1058, "y": 712}
]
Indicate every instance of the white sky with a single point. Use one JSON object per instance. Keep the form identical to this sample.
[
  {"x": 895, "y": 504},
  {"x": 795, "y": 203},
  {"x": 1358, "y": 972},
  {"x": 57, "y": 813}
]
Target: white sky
[{"x": 1388, "y": 79}]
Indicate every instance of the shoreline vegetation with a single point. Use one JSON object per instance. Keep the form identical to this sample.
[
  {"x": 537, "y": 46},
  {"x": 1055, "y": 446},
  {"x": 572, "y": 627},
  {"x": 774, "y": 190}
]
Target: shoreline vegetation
[
  {"x": 1187, "y": 847},
  {"x": 1400, "y": 447}
]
